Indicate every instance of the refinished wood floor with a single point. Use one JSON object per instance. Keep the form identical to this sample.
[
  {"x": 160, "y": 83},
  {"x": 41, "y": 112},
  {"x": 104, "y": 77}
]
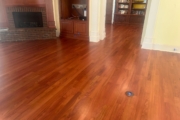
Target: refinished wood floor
[{"x": 70, "y": 79}]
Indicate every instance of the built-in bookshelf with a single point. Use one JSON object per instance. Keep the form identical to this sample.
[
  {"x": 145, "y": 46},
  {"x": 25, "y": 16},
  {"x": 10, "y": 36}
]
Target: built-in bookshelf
[
  {"x": 130, "y": 11},
  {"x": 74, "y": 19}
]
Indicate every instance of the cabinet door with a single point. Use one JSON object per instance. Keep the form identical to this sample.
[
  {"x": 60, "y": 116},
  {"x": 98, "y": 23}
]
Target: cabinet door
[
  {"x": 67, "y": 26},
  {"x": 80, "y": 28},
  {"x": 121, "y": 19},
  {"x": 137, "y": 19}
]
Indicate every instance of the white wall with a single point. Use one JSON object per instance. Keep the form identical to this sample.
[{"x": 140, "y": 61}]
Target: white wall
[{"x": 149, "y": 24}]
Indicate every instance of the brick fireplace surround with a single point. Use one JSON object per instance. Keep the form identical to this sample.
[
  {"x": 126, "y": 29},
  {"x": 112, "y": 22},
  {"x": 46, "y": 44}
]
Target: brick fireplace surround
[{"x": 22, "y": 34}]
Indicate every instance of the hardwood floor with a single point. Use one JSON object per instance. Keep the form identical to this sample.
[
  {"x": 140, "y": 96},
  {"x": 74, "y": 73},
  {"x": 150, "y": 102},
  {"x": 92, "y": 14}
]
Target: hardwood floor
[{"x": 70, "y": 79}]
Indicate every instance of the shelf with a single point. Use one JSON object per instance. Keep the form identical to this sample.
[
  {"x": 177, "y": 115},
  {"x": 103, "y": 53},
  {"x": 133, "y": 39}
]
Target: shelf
[
  {"x": 123, "y": 8},
  {"x": 138, "y": 9},
  {"x": 123, "y": 3},
  {"x": 129, "y": 14},
  {"x": 139, "y": 3},
  {"x": 121, "y": 14},
  {"x": 73, "y": 20},
  {"x": 136, "y": 15}
]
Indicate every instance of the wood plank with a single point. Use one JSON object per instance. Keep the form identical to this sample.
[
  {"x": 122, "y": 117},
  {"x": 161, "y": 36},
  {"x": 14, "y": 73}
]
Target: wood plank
[{"x": 69, "y": 79}]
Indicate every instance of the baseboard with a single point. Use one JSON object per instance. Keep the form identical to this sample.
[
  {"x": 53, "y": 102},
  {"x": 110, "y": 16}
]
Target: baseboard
[
  {"x": 94, "y": 39},
  {"x": 166, "y": 48},
  {"x": 102, "y": 35},
  {"x": 57, "y": 33},
  {"x": 94, "y": 36}
]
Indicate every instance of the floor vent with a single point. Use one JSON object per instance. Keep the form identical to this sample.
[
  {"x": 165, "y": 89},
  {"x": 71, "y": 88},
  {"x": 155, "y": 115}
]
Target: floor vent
[{"x": 129, "y": 94}]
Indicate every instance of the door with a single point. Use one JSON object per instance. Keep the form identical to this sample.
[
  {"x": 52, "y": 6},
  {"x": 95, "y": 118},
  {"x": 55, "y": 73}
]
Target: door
[{"x": 66, "y": 26}]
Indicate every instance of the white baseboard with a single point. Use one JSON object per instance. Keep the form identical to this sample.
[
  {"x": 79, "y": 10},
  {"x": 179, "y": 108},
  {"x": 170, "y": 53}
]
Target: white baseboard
[
  {"x": 166, "y": 48},
  {"x": 102, "y": 35},
  {"x": 57, "y": 33},
  {"x": 94, "y": 39},
  {"x": 94, "y": 36}
]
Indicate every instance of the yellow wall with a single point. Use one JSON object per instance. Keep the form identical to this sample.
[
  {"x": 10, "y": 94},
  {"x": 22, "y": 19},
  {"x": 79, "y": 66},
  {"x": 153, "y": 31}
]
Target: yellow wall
[{"x": 167, "y": 27}]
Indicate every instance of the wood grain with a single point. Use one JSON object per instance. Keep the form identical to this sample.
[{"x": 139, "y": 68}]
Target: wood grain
[{"x": 68, "y": 79}]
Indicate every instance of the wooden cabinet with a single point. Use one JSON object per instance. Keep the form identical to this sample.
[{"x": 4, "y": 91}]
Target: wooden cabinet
[
  {"x": 74, "y": 29},
  {"x": 72, "y": 24},
  {"x": 121, "y": 19},
  {"x": 80, "y": 28},
  {"x": 67, "y": 26}
]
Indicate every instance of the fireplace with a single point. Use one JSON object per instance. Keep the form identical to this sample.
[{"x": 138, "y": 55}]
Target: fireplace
[
  {"x": 27, "y": 23},
  {"x": 27, "y": 19}
]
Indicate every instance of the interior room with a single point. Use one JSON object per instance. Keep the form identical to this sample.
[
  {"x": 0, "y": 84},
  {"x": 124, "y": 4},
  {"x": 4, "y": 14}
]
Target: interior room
[{"x": 89, "y": 60}]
